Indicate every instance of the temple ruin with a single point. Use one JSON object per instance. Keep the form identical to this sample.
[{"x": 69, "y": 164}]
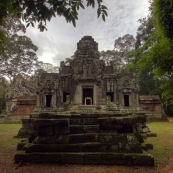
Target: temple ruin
[{"x": 86, "y": 114}]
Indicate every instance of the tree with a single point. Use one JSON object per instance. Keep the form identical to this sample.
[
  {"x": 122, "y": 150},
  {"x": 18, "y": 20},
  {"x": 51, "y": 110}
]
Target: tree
[
  {"x": 43, "y": 68},
  {"x": 125, "y": 46},
  {"x": 164, "y": 18},
  {"x": 19, "y": 55},
  {"x": 141, "y": 65},
  {"x": 35, "y": 76},
  {"x": 160, "y": 56},
  {"x": 3, "y": 88},
  {"x": 42, "y": 11},
  {"x": 48, "y": 68}
]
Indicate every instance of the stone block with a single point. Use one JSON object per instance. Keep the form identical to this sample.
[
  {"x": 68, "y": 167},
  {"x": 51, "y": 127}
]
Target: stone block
[
  {"x": 74, "y": 139},
  {"x": 91, "y": 129},
  {"x": 91, "y": 159},
  {"x": 128, "y": 160},
  {"x": 143, "y": 160},
  {"x": 105, "y": 137},
  {"x": 74, "y": 148},
  {"x": 20, "y": 145},
  {"x": 149, "y": 146},
  {"x": 77, "y": 121},
  {"x": 151, "y": 134},
  {"x": 121, "y": 125},
  {"x": 120, "y": 138},
  {"x": 34, "y": 157},
  {"x": 132, "y": 139},
  {"x": 50, "y": 158},
  {"x": 91, "y": 147},
  {"x": 119, "y": 159},
  {"x": 61, "y": 139},
  {"x": 72, "y": 158},
  {"x": 107, "y": 159},
  {"x": 54, "y": 148},
  {"x": 52, "y": 127},
  {"x": 105, "y": 147},
  {"x": 92, "y": 137},
  {"x": 74, "y": 129},
  {"x": 91, "y": 121},
  {"x": 135, "y": 149},
  {"x": 114, "y": 148}
]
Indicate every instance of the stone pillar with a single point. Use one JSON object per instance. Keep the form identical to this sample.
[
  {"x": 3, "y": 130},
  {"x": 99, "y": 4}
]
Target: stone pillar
[{"x": 95, "y": 98}]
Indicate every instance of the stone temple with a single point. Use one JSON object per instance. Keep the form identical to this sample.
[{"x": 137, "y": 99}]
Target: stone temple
[
  {"x": 86, "y": 114},
  {"x": 86, "y": 81}
]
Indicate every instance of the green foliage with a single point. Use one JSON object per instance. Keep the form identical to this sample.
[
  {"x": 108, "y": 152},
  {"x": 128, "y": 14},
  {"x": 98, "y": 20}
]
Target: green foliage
[
  {"x": 3, "y": 41},
  {"x": 2, "y": 98},
  {"x": 164, "y": 18},
  {"x": 19, "y": 53},
  {"x": 42, "y": 11},
  {"x": 43, "y": 68}
]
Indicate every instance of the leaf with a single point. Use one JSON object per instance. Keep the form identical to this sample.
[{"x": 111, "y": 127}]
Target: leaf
[
  {"x": 27, "y": 24},
  {"x": 103, "y": 17},
  {"x": 98, "y": 12},
  {"x": 73, "y": 21},
  {"x": 81, "y": 5},
  {"x": 104, "y": 7},
  {"x": 105, "y": 12}
]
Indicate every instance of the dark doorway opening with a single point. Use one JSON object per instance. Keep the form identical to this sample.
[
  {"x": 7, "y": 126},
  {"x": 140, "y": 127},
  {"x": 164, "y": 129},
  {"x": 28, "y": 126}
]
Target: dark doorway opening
[
  {"x": 88, "y": 102},
  {"x": 126, "y": 100},
  {"x": 66, "y": 97},
  {"x": 48, "y": 100},
  {"x": 88, "y": 96},
  {"x": 110, "y": 96}
]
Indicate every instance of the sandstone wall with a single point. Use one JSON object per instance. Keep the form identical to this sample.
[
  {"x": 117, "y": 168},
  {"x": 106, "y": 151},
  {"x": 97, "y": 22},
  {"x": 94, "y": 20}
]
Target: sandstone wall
[
  {"x": 22, "y": 106},
  {"x": 153, "y": 107}
]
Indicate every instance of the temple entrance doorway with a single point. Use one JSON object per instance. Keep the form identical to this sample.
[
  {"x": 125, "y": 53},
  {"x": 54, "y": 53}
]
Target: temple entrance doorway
[
  {"x": 126, "y": 100},
  {"x": 87, "y": 96},
  {"x": 48, "y": 100}
]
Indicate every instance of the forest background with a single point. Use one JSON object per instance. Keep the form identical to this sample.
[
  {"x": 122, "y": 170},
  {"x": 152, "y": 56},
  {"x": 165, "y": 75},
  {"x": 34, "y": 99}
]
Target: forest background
[{"x": 149, "y": 55}]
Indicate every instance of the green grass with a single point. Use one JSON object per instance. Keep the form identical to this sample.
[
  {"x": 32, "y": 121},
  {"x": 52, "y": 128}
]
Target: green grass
[
  {"x": 163, "y": 143},
  {"x": 10, "y": 127},
  {"x": 7, "y": 141}
]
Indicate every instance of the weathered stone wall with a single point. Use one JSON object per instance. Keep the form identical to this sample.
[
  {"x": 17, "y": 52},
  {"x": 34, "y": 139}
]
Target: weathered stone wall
[
  {"x": 153, "y": 107},
  {"x": 22, "y": 106}
]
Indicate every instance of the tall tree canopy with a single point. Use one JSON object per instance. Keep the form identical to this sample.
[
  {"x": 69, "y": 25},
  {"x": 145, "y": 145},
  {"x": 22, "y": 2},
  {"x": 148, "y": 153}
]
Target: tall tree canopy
[
  {"x": 164, "y": 18},
  {"x": 19, "y": 55}
]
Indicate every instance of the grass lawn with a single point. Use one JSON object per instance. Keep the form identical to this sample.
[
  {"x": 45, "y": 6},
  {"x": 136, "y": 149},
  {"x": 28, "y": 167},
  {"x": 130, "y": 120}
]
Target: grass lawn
[
  {"x": 163, "y": 143},
  {"x": 7, "y": 141}
]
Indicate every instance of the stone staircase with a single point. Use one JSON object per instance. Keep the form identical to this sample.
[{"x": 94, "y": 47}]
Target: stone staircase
[{"x": 86, "y": 139}]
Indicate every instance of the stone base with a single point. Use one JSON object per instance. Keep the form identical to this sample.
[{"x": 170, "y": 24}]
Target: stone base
[{"x": 88, "y": 158}]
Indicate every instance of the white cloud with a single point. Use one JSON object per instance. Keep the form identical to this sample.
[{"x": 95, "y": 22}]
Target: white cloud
[{"x": 60, "y": 41}]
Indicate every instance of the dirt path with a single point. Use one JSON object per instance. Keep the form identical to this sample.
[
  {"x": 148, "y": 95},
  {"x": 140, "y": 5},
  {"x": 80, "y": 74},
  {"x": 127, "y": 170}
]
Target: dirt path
[{"x": 7, "y": 165}]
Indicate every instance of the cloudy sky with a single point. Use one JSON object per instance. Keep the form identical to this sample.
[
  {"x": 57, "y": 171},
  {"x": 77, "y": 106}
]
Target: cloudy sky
[{"x": 60, "y": 41}]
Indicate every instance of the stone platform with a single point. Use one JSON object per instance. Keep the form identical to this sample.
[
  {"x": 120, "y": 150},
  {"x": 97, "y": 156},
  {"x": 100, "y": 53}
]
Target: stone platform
[{"x": 86, "y": 139}]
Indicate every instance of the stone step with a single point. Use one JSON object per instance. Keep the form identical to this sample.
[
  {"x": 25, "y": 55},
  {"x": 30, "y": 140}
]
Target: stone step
[
  {"x": 94, "y": 158},
  {"x": 82, "y": 138},
  {"x": 84, "y": 147},
  {"x": 78, "y": 129}
]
